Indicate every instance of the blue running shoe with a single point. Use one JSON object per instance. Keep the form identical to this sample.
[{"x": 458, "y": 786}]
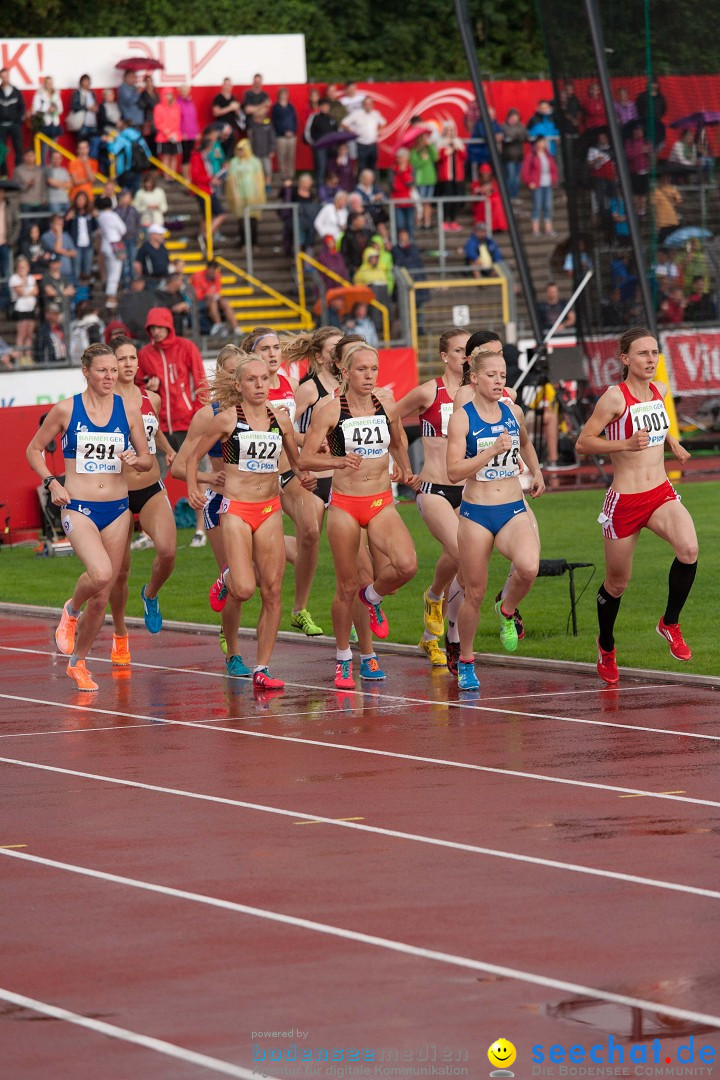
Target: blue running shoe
[
  {"x": 151, "y": 608},
  {"x": 370, "y": 669},
  {"x": 237, "y": 668},
  {"x": 467, "y": 679}
]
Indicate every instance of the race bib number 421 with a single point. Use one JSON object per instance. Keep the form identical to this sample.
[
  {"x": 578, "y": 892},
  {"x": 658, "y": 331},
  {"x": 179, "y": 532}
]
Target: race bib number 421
[
  {"x": 367, "y": 436},
  {"x": 99, "y": 451}
]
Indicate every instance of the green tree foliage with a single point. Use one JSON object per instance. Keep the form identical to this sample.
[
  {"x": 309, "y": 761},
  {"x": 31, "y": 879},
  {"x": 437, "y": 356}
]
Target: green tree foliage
[{"x": 362, "y": 40}]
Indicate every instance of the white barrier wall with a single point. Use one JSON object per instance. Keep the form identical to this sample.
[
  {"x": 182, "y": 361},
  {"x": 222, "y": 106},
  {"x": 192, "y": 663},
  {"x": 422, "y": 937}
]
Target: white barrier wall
[{"x": 47, "y": 387}]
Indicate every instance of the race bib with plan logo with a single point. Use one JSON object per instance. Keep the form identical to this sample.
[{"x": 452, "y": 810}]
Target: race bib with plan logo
[
  {"x": 368, "y": 436},
  {"x": 152, "y": 425},
  {"x": 258, "y": 451},
  {"x": 99, "y": 451},
  {"x": 446, "y": 411},
  {"x": 651, "y": 416},
  {"x": 504, "y": 465}
]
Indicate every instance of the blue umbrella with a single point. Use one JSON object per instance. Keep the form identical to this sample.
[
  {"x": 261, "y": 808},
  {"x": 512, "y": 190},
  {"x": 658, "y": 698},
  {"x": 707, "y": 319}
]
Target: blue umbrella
[
  {"x": 697, "y": 119},
  {"x": 688, "y": 232}
]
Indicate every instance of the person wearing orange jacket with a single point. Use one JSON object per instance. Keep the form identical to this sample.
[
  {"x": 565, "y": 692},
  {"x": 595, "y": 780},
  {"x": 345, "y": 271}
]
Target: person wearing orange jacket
[{"x": 172, "y": 367}]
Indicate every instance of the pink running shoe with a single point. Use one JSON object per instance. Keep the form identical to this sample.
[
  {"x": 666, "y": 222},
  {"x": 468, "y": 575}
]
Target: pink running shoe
[
  {"x": 218, "y": 592},
  {"x": 378, "y": 622}
]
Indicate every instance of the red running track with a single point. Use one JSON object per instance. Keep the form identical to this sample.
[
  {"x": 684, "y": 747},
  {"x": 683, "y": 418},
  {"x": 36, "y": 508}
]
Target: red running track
[{"x": 391, "y": 870}]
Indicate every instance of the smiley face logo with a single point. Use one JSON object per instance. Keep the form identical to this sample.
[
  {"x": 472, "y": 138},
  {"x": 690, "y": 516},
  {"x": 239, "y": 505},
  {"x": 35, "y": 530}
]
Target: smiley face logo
[{"x": 502, "y": 1054}]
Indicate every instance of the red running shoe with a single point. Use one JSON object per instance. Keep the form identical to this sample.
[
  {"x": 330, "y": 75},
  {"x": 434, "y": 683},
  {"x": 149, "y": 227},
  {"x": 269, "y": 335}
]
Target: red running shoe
[
  {"x": 218, "y": 593},
  {"x": 263, "y": 680},
  {"x": 607, "y": 665},
  {"x": 344, "y": 676},
  {"x": 673, "y": 635},
  {"x": 452, "y": 651},
  {"x": 378, "y": 622}
]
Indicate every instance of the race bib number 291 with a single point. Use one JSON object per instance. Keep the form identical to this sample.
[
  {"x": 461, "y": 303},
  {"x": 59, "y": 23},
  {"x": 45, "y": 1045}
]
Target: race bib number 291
[{"x": 99, "y": 452}]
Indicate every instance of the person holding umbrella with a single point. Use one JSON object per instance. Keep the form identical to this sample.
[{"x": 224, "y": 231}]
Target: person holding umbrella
[
  {"x": 128, "y": 99},
  {"x": 323, "y": 125}
]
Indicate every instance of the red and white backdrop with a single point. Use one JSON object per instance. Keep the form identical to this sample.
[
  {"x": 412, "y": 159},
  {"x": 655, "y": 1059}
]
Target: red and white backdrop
[{"x": 692, "y": 358}]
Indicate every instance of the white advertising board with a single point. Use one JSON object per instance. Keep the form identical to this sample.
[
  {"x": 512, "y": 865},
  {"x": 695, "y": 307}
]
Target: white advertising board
[
  {"x": 48, "y": 387},
  {"x": 200, "y": 61}
]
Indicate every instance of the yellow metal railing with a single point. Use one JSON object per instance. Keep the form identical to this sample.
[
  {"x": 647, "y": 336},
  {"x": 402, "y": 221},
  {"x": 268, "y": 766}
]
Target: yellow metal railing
[
  {"x": 303, "y": 315},
  {"x": 179, "y": 179},
  {"x": 37, "y": 145},
  {"x": 303, "y": 257},
  {"x": 446, "y": 284}
]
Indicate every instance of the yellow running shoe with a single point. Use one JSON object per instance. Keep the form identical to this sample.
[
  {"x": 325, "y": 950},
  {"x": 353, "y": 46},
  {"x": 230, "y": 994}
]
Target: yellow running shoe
[
  {"x": 120, "y": 653},
  {"x": 81, "y": 675},
  {"x": 433, "y": 652},
  {"x": 65, "y": 633},
  {"x": 434, "y": 621}
]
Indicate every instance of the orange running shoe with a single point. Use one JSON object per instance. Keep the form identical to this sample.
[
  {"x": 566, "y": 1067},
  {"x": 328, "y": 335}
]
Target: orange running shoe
[
  {"x": 81, "y": 675},
  {"x": 607, "y": 665},
  {"x": 65, "y": 633},
  {"x": 120, "y": 654}
]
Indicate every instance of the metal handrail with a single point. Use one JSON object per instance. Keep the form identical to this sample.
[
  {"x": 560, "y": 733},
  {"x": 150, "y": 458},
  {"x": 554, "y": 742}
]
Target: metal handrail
[
  {"x": 40, "y": 138},
  {"x": 302, "y": 257},
  {"x": 179, "y": 179}
]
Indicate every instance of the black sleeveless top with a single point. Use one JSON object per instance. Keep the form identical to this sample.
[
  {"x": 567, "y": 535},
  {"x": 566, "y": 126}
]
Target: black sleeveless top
[
  {"x": 304, "y": 421},
  {"x": 234, "y": 447},
  {"x": 369, "y": 435}
]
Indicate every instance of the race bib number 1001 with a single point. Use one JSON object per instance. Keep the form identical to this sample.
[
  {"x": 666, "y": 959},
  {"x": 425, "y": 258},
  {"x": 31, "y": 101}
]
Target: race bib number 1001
[
  {"x": 651, "y": 416},
  {"x": 99, "y": 452}
]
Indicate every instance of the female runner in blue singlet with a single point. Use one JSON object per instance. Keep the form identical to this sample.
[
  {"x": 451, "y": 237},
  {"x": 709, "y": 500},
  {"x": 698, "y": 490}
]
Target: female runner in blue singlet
[{"x": 101, "y": 437}]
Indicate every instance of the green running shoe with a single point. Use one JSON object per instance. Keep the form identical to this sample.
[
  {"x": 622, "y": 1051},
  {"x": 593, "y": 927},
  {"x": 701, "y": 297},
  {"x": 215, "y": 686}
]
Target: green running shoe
[
  {"x": 223, "y": 642},
  {"x": 303, "y": 620},
  {"x": 508, "y": 630},
  {"x": 353, "y": 635}
]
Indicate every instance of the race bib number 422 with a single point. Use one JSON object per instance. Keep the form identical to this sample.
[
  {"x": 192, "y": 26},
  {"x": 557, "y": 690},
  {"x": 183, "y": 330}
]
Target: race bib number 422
[
  {"x": 259, "y": 451},
  {"x": 99, "y": 452}
]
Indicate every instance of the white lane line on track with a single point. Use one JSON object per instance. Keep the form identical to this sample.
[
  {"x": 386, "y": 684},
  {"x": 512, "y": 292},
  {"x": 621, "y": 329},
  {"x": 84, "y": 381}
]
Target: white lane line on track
[
  {"x": 389, "y": 944},
  {"x": 377, "y": 696},
  {"x": 392, "y": 755},
  {"x": 395, "y": 834},
  {"x": 75, "y": 731},
  {"x": 190, "y": 1057}
]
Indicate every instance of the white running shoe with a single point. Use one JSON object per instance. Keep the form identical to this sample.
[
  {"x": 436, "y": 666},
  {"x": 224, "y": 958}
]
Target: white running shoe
[
  {"x": 199, "y": 540},
  {"x": 143, "y": 541}
]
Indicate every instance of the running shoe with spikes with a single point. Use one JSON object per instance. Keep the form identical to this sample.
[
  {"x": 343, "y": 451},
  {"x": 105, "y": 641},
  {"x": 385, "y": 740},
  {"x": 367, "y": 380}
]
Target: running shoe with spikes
[
  {"x": 263, "y": 680},
  {"x": 199, "y": 540},
  {"x": 65, "y": 632},
  {"x": 218, "y": 592},
  {"x": 353, "y": 635},
  {"x": 519, "y": 625},
  {"x": 303, "y": 620},
  {"x": 467, "y": 679},
  {"x": 344, "y": 676},
  {"x": 223, "y": 642},
  {"x": 151, "y": 609},
  {"x": 508, "y": 630},
  {"x": 433, "y": 652},
  {"x": 236, "y": 668},
  {"x": 452, "y": 652},
  {"x": 142, "y": 543},
  {"x": 120, "y": 652},
  {"x": 378, "y": 622},
  {"x": 81, "y": 675},
  {"x": 370, "y": 669},
  {"x": 607, "y": 664},
  {"x": 433, "y": 618},
  {"x": 673, "y": 635}
]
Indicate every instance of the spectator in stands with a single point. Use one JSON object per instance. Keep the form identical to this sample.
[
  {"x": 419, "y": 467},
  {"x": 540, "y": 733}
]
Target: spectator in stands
[
  {"x": 246, "y": 188},
  {"x": 354, "y": 240},
  {"x": 618, "y": 212},
  {"x": 539, "y": 173},
  {"x": 366, "y": 123},
  {"x": 47, "y": 106},
  {"x": 700, "y": 306},
  {"x": 625, "y": 111},
  {"x": 452, "y": 156},
  {"x": 83, "y": 115},
  {"x": 329, "y": 257},
  {"x": 9, "y": 236},
  {"x": 131, "y": 154},
  {"x": 683, "y": 156},
  {"x": 515, "y": 136},
  {"x": 370, "y": 272},
  {"x": 667, "y": 273},
  {"x": 585, "y": 260},
  {"x": 568, "y": 111},
  {"x": 153, "y": 256},
  {"x": 672, "y": 308},
  {"x": 542, "y": 124},
  {"x": 323, "y": 124},
  {"x": 24, "y": 298},
  {"x": 87, "y": 328},
  {"x": 33, "y": 189},
  {"x": 50, "y": 345},
  {"x": 150, "y": 201},
  {"x": 109, "y": 112},
  {"x": 486, "y": 187},
  {"x": 203, "y": 177},
  {"x": 59, "y": 183},
  {"x": 131, "y": 219},
  {"x": 83, "y": 170},
  {"x": 189, "y": 127},
  {"x": 423, "y": 158},
  {"x": 481, "y": 252},
  {"x": 33, "y": 250},
  {"x": 167, "y": 120},
  {"x": 666, "y": 199},
  {"x": 367, "y": 189},
  {"x": 58, "y": 241},
  {"x": 637, "y": 152},
  {"x": 623, "y": 276},
  {"x": 313, "y": 105},
  {"x": 359, "y": 322},
  {"x": 53, "y": 286},
  {"x": 134, "y": 306},
  {"x": 149, "y": 99},
  {"x": 344, "y": 168},
  {"x": 352, "y": 98},
  {"x": 262, "y": 140},
  {"x": 308, "y": 207},
  {"x": 478, "y": 151},
  {"x": 226, "y": 108},
  {"x": 285, "y": 125},
  {"x": 213, "y": 305},
  {"x": 128, "y": 100},
  {"x": 81, "y": 227},
  {"x": 405, "y": 253},
  {"x": 12, "y": 114},
  {"x": 173, "y": 296},
  {"x": 550, "y": 309},
  {"x": 332, "y": 218},
  {"x": 112, "y": 247},
  {"x": 694, "y": 263},
  {"x": 594, "y": 113},
  {"x": 255, "y": 99},
  {"x": 403, "y": 192},
  {"x": 603, "y": 175},
  {"x": 659, "y": 108},
  {"x": 337, "y": 109}
]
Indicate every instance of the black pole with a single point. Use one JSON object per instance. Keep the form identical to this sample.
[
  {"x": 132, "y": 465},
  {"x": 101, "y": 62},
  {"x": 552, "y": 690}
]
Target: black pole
[
  {"x": 598, "y": 43},
  {"x": 468, "y": 40}
]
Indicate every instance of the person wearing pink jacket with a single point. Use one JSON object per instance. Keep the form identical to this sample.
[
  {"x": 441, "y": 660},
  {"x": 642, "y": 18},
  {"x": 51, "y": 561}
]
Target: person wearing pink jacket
[
  {"x": 189, "y": 126},
  {"x": 539, "y": 173},
  {"x": 167, "y": 120}
]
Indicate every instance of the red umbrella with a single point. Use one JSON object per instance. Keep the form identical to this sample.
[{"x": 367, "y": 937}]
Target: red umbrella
[
  {"x": 139, "y": 63},
  {"x": 412, "y": 135}
]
